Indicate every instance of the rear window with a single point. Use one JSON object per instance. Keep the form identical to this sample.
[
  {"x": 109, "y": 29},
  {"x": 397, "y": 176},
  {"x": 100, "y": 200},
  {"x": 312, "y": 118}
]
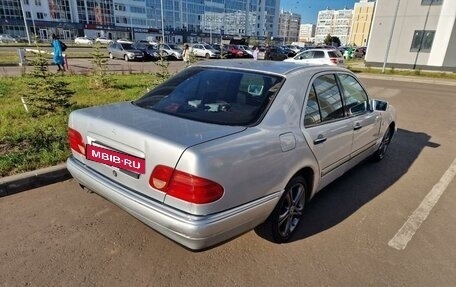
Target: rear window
[
  {"x": 225, "y": 97},
  {"x": 334, "y": 54}
]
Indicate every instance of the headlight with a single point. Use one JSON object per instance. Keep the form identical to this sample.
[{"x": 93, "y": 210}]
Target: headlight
[{"x": 130, "y": 54}]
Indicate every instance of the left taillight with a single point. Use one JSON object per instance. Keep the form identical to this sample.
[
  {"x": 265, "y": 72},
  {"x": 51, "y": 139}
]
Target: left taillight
[
  {"x": 76, "y": 142},
  {"x": 185, "y": 186},
  {"x": 334, "y": 60}
]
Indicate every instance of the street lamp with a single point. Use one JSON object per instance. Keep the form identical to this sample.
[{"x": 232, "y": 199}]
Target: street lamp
[
  {"x": 25, "y": 22},
  {"x": 162, "y": 22}
]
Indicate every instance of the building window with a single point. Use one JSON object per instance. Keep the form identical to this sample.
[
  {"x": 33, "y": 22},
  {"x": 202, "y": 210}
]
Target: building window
[
  {"x": 39, "y": 15},
  {"x": 422, "y": 41},
  {"x": 38, "y": 2},
  {"x": 431, "y": 2},
  {"x": 28, "y": 15}
]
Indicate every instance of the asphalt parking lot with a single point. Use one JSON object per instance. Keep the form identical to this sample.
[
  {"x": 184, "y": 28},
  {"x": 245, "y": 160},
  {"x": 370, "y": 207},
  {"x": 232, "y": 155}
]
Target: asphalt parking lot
[{"x": 351, "y": 234}]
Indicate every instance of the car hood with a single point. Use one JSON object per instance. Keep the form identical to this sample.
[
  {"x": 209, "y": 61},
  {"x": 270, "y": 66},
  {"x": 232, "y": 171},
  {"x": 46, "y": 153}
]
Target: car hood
[{"x": 133, "y": 50}]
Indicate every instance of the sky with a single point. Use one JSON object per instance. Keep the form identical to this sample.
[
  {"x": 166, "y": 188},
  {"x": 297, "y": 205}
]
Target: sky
[{"x": 308, "y": 9}]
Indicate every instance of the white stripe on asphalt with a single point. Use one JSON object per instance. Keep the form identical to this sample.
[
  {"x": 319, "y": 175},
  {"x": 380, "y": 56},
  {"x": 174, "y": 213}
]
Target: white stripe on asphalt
[{"x": 405, "y": 234}]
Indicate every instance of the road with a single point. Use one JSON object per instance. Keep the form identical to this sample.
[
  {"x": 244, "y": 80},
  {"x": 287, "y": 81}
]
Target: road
[{"x": 62, "y": 235}]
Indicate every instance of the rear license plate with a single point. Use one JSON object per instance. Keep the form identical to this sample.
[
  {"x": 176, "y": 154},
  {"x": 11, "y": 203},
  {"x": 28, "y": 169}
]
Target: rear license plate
[{"x": 116, "y": 159}]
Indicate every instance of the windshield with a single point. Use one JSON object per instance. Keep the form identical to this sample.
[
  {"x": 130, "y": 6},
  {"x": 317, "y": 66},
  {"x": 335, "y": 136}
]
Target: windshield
[
  {"x": 198, "y": 94},
  {"x": 127, "y": 46},
  {"x": 174, "y": 47}
]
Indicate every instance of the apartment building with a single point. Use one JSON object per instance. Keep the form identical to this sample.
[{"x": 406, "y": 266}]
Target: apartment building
[
  {"x": 418, "y": 34},
  {"x": 289, "y": 24},
  {"x": 363, "y": 14},
  {"x": 183, "y": 20},
  {"x": 306, "y": 33},
  {"x": 337, "y": 23}
]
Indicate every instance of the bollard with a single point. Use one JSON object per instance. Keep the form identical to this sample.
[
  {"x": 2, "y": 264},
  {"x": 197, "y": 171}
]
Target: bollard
[{"x": 22, "y": 60}]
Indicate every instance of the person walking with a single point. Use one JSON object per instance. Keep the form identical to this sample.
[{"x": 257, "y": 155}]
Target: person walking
[
  {"x": 186, "y": 54},
  {"x": 255, "y": 53},
  {"x": 58, "y": 53}
]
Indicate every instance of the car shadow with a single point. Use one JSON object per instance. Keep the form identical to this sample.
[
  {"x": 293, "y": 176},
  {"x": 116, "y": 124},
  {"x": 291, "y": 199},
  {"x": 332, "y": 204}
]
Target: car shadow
[{"x": 358, "y": 186}]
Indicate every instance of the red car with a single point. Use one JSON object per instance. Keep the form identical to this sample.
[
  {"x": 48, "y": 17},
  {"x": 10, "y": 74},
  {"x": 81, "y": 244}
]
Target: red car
[{"x": 234, "y": 52}]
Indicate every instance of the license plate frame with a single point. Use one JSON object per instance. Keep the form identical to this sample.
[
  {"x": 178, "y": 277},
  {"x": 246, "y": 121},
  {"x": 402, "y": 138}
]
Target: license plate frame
[{"x": 116, "y": 159}]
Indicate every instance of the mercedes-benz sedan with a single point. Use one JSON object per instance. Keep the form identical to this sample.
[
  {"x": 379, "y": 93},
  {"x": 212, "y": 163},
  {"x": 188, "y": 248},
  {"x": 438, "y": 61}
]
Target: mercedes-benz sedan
[{"x": 223, "y": 147}]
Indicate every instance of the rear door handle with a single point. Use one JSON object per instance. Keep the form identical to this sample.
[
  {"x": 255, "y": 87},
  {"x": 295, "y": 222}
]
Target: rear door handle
[{"x": 320, "y": 139}]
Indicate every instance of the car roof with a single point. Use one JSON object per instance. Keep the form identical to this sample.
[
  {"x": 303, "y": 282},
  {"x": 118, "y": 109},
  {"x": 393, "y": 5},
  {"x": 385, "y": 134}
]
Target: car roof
[{"x": 271, "y": 67}]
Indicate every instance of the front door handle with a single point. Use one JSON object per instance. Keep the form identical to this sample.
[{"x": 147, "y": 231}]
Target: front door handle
[
  {"x": 320, "y": 139},
  {"x": 357, "y": 126}
]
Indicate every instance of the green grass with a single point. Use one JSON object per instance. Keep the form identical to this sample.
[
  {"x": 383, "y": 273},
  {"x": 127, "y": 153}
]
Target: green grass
[{"x": 28, "y": 143}]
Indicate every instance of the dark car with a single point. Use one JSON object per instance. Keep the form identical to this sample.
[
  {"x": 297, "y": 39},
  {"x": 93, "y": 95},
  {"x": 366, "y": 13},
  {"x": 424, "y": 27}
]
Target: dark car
[
  {"x": 275, "y": 54},
  {"x": 150, "y": 52},
  {"x": 288, "y": 51},
  {"x": 124, "y": 51}
]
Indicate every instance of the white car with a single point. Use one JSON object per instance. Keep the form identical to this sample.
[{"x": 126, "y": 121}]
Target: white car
[
  {"x": 103, "y": 40},
  {"x": 204, "y": 50},
  {"x": 83, "y": 41},
  {"x": 332, "y": 57},
  {"x": 7, "y": 39}
]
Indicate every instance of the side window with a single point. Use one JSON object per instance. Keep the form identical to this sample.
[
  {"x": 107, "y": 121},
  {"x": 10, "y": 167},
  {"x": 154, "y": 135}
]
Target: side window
[
  {"x": 319, "y": 54},
  {"x": 355, "y": 97},
  {"x": 312, "y": 115},
  {"x": 329, "y": 98}
]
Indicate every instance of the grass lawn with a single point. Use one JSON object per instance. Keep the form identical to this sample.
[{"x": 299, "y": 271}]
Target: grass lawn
[{"x": 28, "y": 143}]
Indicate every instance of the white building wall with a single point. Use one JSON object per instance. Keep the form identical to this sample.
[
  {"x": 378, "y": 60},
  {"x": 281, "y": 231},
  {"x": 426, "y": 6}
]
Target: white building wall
[{"x": 411, "y": 17}]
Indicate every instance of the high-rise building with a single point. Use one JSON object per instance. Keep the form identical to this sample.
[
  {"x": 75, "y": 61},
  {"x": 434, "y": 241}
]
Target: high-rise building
[
  {"x": 418, "y": 34},
  {"x": 361, "y": 24},
  {"x": 183, "y": 20},
  {"x": 336, "y": 23},
  {"x": 306, "y": 33},
  {"x": 289, "y": 23}
]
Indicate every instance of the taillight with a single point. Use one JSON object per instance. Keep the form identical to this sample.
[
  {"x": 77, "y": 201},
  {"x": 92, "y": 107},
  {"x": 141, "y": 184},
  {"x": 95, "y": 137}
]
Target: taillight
[
  {"x": 334, "y": 60},
  {"x": 185, "y": 186},
  {"x": 76, "y": 141}
]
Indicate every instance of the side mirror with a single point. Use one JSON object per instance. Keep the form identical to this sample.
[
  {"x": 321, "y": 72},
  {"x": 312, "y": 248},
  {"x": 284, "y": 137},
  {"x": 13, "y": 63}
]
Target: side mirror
[{"x": 378, "y": 105}]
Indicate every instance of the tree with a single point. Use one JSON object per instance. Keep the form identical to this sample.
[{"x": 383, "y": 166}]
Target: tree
[
  {"x": 335, "y": 41},
  {"x": 328, "y": 40},
  {"x": 100, "y": 77},
  {"x": 47, "y": 92}
]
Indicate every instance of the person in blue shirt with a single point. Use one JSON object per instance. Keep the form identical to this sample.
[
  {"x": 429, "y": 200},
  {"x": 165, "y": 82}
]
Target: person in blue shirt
[{"x": 58, "y": 53}]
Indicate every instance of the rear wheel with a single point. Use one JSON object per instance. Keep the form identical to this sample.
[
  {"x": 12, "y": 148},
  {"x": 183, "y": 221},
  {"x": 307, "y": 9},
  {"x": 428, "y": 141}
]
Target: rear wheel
[
  {"x": 207, "y": 56},
  {"x": 286, "y": 216}
]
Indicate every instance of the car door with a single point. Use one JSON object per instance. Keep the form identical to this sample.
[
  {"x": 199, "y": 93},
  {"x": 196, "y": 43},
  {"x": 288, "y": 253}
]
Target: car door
[
  {"x": 197, "y": 50},
  {"x": 117, "y": 52},
  {"x": 318, "y": 57},
  {"x": 329, "y": 132},
  {"x": 366, "y": 123}
]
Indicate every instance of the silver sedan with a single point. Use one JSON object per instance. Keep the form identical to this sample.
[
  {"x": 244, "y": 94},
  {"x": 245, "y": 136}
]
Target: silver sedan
[{"x": 225, "y": 146}]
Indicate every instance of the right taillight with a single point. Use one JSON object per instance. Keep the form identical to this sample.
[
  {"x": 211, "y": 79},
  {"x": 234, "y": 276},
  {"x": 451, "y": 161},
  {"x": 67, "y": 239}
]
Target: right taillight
[
  {"x": 76, "y": 142},
  {"x": 185, "y": 186},
  {"x": 334, "y": 60}
]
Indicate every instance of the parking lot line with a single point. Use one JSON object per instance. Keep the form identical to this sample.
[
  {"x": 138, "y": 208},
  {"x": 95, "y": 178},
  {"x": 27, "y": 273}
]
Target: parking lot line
[{"x": 405, "y": 234}]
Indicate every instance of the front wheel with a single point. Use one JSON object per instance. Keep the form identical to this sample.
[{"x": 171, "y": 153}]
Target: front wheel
[
  {"x": 207, "y": 56},
  {"x": 126, "y": 58},
  {"x": 381, "y": 151},
  {"x": 111, "y": 56},
  {"x": 286, "y": 216}
]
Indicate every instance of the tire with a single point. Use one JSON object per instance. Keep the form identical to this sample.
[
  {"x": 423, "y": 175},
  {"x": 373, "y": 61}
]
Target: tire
[
  {"x": 207, "y": 56},
  {"x": 381, "y": 151},
  {"x": 111, "y": 56},
  {"x": 126, "y": 58},
  {"x": 285, "y": 218}
]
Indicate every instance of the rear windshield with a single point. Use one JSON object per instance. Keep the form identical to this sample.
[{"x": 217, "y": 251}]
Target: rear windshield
[
  {"x": 334, "y": 54},
  {"x": 225, "y": 97}
]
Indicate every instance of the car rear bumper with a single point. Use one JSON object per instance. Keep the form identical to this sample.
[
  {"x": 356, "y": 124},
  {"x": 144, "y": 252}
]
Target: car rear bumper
[{"x": 194, "y": 232}]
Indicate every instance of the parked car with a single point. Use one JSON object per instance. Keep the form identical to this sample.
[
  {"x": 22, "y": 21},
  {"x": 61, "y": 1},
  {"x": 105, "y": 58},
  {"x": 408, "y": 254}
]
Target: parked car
[
  {"x": 83, "y": 41},
  {"x": 331, "y": 57},
  {"x": 246, "y": 49},
  {"x": 103, "y": 40},
  {"x": 205, "y": 50},
  {"x": 124, "y": 41},
  {"x": 222, "y": 49},
  {"x": 276, "y": 54},
  {"x": 124, "y": 51},
  {"x": 233, "y": 51},
  {"x": 170, "y": 51},
  {"x": 4, "y": 38},
  {"x": 184, "y": 157},
  {"x": 150, "y": 51}
]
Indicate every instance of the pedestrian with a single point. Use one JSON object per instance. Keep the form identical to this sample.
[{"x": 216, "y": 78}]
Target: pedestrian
[
  {"x": 267, "y": 53},
  {"x": 186, "y": 54},
  {"x": 58, "y": 53},
  {"x": 255, "y": 53}
]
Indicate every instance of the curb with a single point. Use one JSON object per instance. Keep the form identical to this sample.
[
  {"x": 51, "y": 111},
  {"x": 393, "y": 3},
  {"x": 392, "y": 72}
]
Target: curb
[
  {"x": 33, "y": 179},
  {"x": 412, "y": 79}
]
